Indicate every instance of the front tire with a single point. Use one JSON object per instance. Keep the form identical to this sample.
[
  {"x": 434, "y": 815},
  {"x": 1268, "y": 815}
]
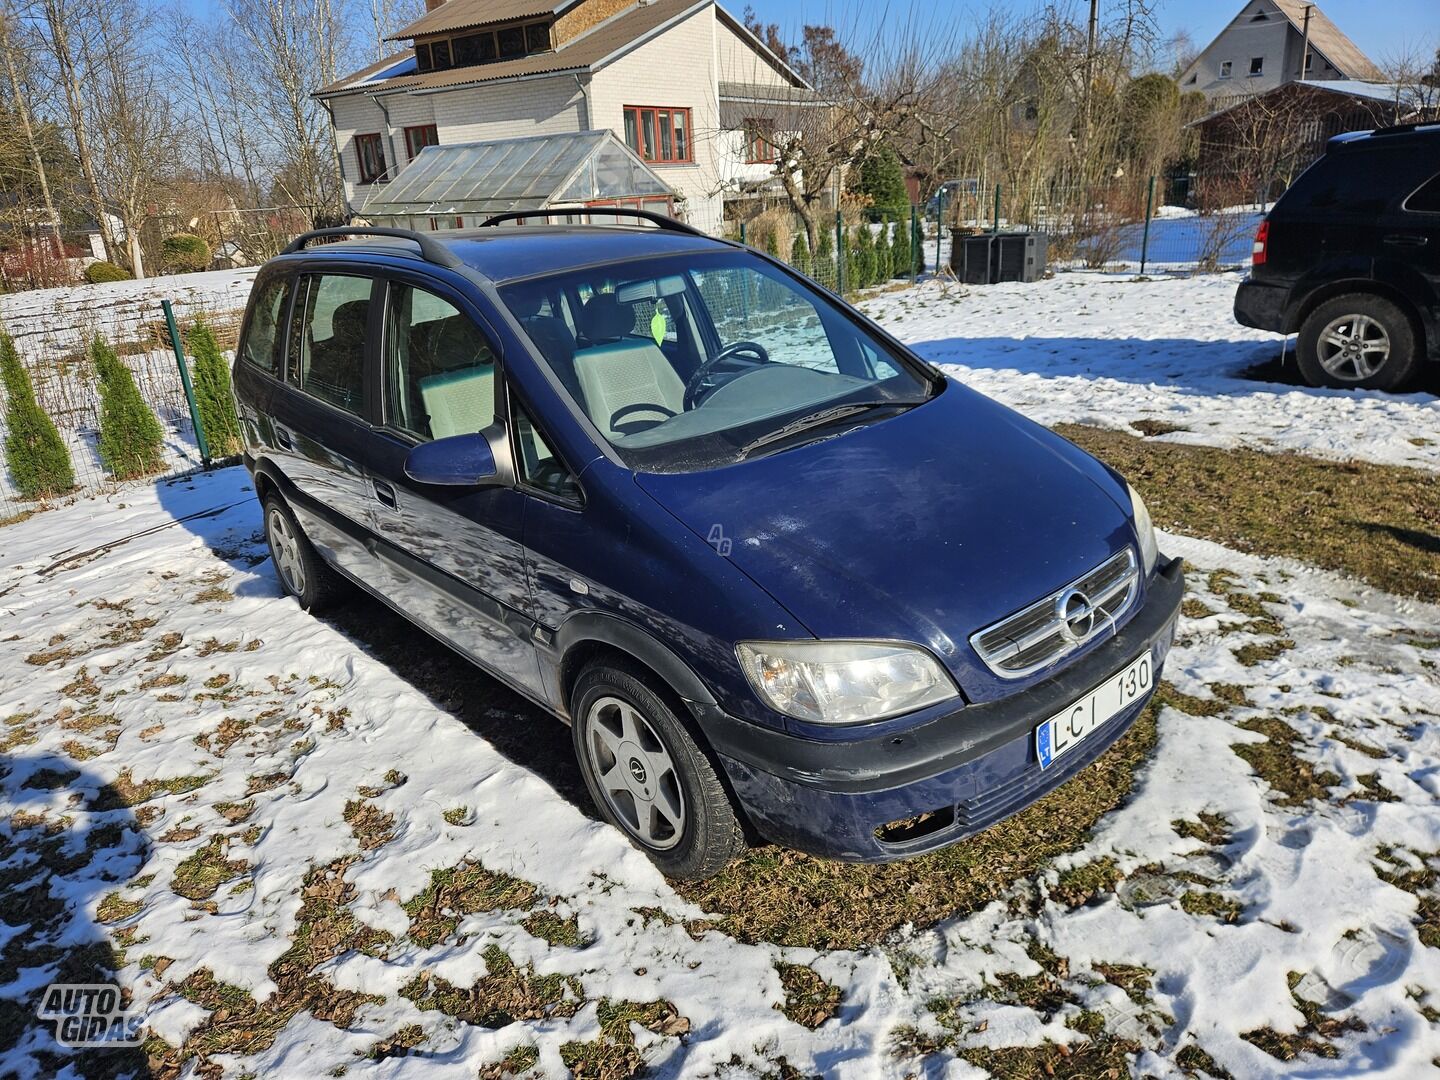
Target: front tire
[
  {"x": 1359, "y": 341},
  {"x": 650, "y": 775},
  {"x": 302, "y": 572}
]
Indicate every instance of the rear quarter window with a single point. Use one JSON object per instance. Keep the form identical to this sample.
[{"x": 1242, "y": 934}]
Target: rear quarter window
[{"x": 263, "y": 340}]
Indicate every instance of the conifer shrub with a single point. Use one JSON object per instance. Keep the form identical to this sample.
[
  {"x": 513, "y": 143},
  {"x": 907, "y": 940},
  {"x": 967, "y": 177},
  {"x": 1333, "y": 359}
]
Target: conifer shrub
[
  {"x": 98, "y": 273},
  {"x": 184, "y": 253},
  {"x": 131, "y": 437},
  {"x": 214, "y": 399},
  {"x": 825, "y": 258},
  {"x": 800, "y": 253},
  {"x": 865, "y": 258},
  {"x": 901, "y": 253},
  {"x": 35, "y": 454},
  {"x": 884, "y": 271}
]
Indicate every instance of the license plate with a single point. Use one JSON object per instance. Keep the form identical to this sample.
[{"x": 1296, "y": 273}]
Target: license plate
[{"x": 1066, "y": 730}]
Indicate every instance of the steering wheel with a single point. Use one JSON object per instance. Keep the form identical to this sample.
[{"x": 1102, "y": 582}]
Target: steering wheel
[{"x": 752, "y": 353}]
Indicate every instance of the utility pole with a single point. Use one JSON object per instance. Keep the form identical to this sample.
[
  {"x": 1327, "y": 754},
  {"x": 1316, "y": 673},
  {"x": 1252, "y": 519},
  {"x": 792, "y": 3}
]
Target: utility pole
[
  {"x": 1091, "y": 39},
  {"x": 1305, "y": 44}
]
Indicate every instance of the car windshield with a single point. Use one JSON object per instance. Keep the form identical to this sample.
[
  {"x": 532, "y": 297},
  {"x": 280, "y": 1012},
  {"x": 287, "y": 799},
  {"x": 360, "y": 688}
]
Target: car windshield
[{"x": 690, "y": 362}]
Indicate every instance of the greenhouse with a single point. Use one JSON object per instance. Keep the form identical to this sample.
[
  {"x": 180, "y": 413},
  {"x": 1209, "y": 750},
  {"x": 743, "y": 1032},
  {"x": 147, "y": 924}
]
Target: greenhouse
[{"x": 459, "y": 186}]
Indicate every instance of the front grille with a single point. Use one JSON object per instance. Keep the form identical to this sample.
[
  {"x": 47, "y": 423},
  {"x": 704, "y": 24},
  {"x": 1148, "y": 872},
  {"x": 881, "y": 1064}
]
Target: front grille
[{"x": 1039, "y": 635}]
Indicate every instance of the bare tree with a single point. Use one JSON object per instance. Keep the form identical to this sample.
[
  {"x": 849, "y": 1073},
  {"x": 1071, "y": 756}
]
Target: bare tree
[
  {"x": 289, "y": 48},
  {"x": 387, "y": 16},
  {"x": 14, "y": 59}
]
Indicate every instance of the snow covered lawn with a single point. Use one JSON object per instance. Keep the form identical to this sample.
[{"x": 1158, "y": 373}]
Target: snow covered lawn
[
  {"x": 303, "y": 865},
  {"x": 1110, "y": 350}
]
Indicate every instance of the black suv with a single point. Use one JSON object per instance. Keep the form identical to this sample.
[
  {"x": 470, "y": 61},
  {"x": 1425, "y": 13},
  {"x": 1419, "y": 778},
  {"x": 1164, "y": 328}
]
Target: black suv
[{"x": 1349, "y": 259}]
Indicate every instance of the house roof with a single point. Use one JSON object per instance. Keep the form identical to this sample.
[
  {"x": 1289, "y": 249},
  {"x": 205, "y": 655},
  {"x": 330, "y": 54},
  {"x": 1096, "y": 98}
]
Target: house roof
[
  {"x": 584, "y": 53},
  {"x": 740, "y": 102},
  {"x": 1330, "y": 40},
  {"x": 1405, "y": 98},
  {"x": 464, "y": 14}
]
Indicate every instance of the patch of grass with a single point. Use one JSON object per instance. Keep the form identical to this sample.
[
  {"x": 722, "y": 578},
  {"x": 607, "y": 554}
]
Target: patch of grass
[
  {"x": 1192, "y": 608},
  {"x": 123, "y": 792},
  {"x": 371, "y": 825},
  {"x": 614, "y": 1054},
  {"x": 1201, "y": 902},
  {"x": 50, "y": 779},
  {"x": 1151, "y": 428},
  {"x": 550, "y": 927},
  {"x": 1081, "y": 884},
  {"x": 462, "y": 890},
  {"x": 504, "y": 995},
  {"x": 235, "y": 812},
  {"x": 1195, "y": 1060},
  {"x": 1260, "y": 652},
  {"x": 517, "y": 1062},
  {"x": 457, "y": 815},
  {"x": 1211, "y": 829},
  {"x": 1419, "y": 883},
  {"x": 199, "y": 876},
  {"x": 215, "y": 594},
  {"x": 1314, "y": 1037},
  {"x": 1276, "y": 762},
  {"x": 114, "y": 908},
  {"x": 1101, "y": 1056},
  {"x": 809, "y": 999},
  {"x": 1131, "y": 978},
  {"x": 398, "y": 1045},
  {"x": 264, "y": 782},
  {"x": 1379, "y": 523}
]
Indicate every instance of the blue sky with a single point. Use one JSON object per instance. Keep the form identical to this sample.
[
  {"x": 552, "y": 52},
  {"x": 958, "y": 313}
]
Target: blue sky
[{"x": 1379, "y": 27}]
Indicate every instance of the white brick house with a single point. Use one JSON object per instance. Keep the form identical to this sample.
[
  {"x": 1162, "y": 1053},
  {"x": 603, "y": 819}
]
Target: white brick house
[{"x": 675, "y": 79}]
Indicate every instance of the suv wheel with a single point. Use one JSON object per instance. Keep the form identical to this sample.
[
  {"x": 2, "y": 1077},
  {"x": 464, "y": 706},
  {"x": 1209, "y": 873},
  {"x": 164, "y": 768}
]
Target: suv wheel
[
  {"x": 302, "y": 572},
  {"x": 650, "y": 776},
  {"x": 1358, "y": 341}
]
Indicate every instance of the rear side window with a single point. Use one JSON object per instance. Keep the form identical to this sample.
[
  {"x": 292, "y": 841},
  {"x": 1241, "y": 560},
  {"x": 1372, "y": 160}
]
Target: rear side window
[
  {"x": 263, "y": 340},
  {"x": 327, "y": 338},
  {"x": 439, "y": 369},
  {"x": 1360, "y": 183},
  {"x": 1427, "y": 199}
]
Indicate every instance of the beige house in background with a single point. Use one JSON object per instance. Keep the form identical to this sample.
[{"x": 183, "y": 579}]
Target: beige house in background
[
  {"x": 681, "y": 82},
  {"x": 1271, "y": 43}
]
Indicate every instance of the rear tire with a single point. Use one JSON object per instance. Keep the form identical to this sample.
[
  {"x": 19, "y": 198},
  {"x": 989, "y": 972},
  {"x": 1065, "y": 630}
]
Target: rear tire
[
  {"x": 650, "y": 774},
  {"x": 302, "y": 572},
  {"x": 1359, "y": 341}
]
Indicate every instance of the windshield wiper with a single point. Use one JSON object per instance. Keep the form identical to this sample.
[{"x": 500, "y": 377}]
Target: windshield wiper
[{"x": 819, "y": 420}]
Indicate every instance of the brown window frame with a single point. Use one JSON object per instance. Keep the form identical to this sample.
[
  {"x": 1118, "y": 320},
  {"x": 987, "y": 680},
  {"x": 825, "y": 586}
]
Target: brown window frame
[
  {"x": 759, "y": 142},
  {"x": 376, "y": 140},
  {"x": 410, "y": 148},
  {"x": 657, "y": 133}
]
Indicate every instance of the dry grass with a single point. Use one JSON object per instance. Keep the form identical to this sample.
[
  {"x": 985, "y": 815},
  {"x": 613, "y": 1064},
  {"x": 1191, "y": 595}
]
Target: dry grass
[
  {"x": 462, "y": 890},
  {"x": 1276, "y": 762},
  {"x": 809, "y": 999},
  {"x": 1379, "y": 523},
  {"x": 792, "y": 899}
]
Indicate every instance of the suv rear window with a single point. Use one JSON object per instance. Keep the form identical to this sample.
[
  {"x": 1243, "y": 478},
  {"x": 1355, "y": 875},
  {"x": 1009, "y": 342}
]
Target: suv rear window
[
  {"x": 1354, "y": 182},
  {"x": 262, "y": 336},
  {"x": 327, "y": 340},
  {"x": 1427, "y": 199}
]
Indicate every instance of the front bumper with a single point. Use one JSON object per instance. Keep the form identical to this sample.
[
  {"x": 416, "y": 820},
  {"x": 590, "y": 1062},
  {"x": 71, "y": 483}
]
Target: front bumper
[
  {"x": 1261, "y": 306},
  {"x": 966, "y": 770}
]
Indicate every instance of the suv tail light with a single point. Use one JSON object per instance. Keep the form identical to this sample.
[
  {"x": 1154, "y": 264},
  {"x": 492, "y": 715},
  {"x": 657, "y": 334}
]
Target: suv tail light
[{"x": 1262, "y": 242}]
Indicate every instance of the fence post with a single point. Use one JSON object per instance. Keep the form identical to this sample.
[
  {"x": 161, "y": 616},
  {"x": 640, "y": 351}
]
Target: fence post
[
  {"x": 997, "y": 209},
  {"x": 915, "y": 236},
  {"x": 1145, "y": 237},
  {"x": 839, "y": 253},
  {"x": 742, "y": 232},
  {"x": 185, "y": 381}
]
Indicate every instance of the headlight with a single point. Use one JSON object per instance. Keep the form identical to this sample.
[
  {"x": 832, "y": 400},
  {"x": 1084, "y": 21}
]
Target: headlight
[
  {"x": 1145, "y": 530},
  {"x": 843, "y": 682}
]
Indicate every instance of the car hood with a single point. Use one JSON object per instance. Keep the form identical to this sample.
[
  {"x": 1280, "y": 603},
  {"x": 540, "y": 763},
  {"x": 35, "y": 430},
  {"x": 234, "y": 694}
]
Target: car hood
[{"x": 924, "y": 527}]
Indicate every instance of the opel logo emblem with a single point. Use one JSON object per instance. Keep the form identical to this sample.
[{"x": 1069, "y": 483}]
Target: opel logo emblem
[
  {"x": 637, "y": 770},
  {"x": 1076, "y": 615}
]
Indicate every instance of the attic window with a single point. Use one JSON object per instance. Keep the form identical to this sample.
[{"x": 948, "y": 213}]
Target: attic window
[
  {"x": 1225, "y": 68},
  {"x": 1260, "y": 16},
  {"x": 1257, "y": 65}
]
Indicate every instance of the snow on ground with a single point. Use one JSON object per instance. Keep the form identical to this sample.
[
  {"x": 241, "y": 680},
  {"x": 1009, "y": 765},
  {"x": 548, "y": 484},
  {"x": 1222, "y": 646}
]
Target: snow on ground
[
  {"x": 1110, "y": 350},
  {"x": 156, "y": 683}
]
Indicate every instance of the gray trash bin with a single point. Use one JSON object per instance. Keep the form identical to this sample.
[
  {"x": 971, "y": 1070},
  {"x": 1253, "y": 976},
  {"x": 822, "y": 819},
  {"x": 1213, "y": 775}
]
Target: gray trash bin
[{"x": 992, "y": 257}]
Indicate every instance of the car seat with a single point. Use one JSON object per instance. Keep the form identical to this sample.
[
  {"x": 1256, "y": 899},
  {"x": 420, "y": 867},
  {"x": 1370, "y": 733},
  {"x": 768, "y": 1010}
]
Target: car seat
[{"x": 628, "y": 384}]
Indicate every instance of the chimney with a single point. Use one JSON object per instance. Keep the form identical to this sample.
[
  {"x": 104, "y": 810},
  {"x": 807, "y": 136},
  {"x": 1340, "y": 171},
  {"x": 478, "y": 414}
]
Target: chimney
[{"x": 431, "y": 5}]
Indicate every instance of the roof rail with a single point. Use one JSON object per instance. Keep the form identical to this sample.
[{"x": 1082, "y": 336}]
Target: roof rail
[
  {"x": 667, "y": 223},
  {"x": 431, "y": 250}
]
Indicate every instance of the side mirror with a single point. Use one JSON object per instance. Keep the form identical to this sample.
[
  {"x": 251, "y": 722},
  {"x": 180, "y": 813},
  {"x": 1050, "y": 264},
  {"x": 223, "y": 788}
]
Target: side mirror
[{"x": 457, "y": 461}]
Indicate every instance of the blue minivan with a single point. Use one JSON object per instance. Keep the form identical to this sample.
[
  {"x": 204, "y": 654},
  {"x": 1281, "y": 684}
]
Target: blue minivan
[{"x": 781, "y": 577}]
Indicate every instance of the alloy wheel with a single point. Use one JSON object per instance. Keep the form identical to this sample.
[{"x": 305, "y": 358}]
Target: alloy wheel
[
  {"x": 1353, "y": 347},
  {"x": 635, "y": 773},
  {"x": 285, "y": 548}
]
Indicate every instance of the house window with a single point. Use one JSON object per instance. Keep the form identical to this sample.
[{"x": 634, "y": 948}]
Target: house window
[
  {"x": 473, "y": 49},
  {"x": 1257, "y": 65},
  {"x": 537, "y": 37},
  {"x": 1225, "y": 67},
  {"x": 440, "y": 55},
  {"x": 417, "y": 138},
  {"x": 1309, "y": 60},
  {"x": 371, "y": 152},
  {"x": 512, "y": 42},
  {"x": 760, "y": 142},
  {"x": 659, "y": 134},
  {"x": 422, "y": 57}
]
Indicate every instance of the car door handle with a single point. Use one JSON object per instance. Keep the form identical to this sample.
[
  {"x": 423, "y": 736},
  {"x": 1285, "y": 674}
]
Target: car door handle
[
  {"x": 283, "y": 438},
  {"x": 1407, "y": 240},
  {"x": 386, "y": 494}
]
